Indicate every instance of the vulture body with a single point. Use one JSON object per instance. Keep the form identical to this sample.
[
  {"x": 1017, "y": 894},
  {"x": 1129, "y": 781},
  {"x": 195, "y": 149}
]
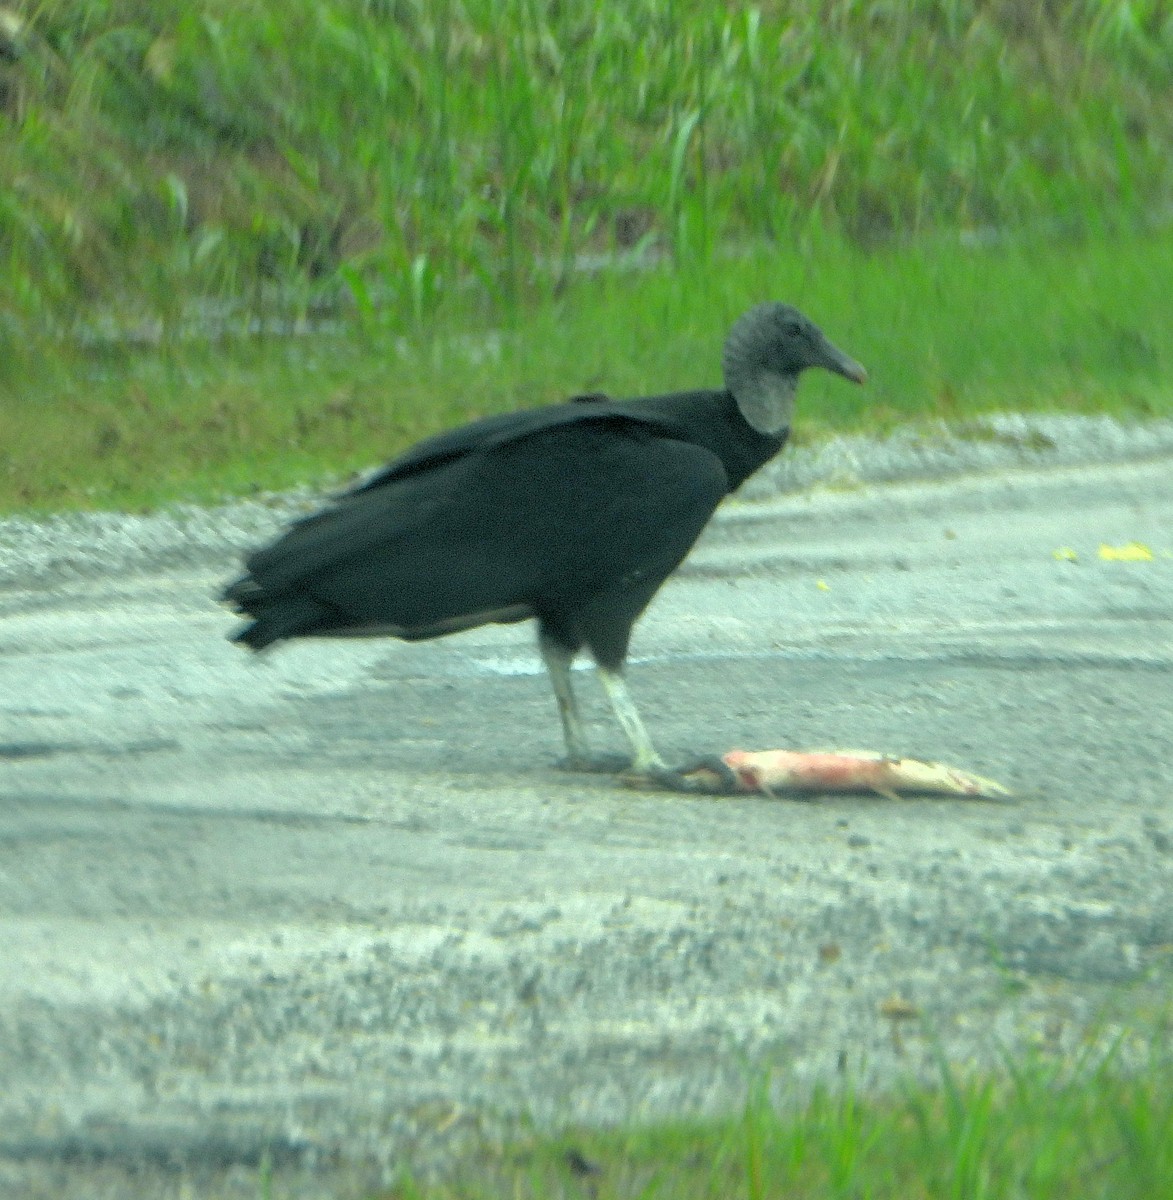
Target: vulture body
[{"x": 573, "y": 515}]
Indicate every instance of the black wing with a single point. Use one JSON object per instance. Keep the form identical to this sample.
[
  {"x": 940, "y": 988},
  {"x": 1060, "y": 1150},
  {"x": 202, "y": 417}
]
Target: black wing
[
  {"x": 552, "y": 517},
  {"x": 490, "y": 432}
]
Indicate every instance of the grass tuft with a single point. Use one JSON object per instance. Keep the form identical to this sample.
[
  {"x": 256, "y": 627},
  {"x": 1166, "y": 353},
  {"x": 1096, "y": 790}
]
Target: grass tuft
[{"x": 1043, "y": 1130}]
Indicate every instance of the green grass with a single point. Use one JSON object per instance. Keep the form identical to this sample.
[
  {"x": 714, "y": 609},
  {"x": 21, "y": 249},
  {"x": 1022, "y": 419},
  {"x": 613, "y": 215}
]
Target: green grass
[
  {"x": 156, "y": 150},
  {"x": 427, "y": 171},
  {"x": 1038, "y": 1131},
  {"x": 946, "y": 332}
]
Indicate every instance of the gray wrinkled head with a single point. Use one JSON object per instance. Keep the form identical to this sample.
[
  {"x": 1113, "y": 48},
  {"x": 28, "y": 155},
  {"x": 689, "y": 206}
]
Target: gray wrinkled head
[{"x": 766, "y": 351}]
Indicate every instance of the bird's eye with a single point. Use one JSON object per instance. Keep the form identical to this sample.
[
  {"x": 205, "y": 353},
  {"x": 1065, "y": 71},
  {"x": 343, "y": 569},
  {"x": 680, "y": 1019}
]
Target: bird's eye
[{"x": 792, "y": 329}]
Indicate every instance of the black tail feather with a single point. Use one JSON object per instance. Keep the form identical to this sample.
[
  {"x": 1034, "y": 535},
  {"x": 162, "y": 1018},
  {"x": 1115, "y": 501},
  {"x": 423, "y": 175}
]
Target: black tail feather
[
  {"x": 274, "y": 617},
  {"x": 240, "y": 593}
]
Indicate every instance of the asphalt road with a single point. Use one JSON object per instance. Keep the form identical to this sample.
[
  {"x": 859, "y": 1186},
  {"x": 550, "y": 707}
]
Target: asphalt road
[{"x": 338, "y": 907}]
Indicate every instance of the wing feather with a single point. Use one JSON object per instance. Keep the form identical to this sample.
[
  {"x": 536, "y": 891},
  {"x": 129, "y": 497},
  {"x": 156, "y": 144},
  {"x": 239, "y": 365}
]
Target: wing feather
[{"x": 563, "y": 512}]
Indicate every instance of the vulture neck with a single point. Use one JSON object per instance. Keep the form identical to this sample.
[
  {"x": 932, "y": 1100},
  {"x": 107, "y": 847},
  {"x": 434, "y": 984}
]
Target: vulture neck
[{"x": 766, "y": 400}]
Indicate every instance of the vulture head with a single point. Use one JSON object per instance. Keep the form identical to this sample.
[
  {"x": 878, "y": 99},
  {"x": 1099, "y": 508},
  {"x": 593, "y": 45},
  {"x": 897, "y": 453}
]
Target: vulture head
[{"x": 766, "y": 351}]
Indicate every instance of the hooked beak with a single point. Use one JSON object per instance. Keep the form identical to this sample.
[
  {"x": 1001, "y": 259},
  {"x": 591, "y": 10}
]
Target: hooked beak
[{"x": 835, "y": 360}]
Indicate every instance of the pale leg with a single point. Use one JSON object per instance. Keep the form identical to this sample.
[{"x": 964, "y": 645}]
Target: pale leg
[
  {"x": 646, "y": 759},
  {"x": 558, "y": 660}
]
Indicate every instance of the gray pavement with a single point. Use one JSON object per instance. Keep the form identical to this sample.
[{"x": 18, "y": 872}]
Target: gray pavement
[{"x": 338, "y": 908}]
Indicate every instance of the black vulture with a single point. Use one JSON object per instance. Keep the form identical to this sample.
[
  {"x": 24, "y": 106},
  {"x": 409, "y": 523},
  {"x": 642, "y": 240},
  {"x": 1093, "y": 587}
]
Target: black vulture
[{"x": 573, "y": 514}]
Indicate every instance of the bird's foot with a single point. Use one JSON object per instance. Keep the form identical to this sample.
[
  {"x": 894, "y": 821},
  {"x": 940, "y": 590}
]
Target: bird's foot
[
  {"x": 596, "y": 764},
  {"x": 706, "y": 777}
]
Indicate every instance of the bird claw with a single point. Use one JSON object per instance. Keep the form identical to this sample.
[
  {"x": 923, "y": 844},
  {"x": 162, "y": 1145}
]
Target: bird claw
[
  {"x": 596, "y": 764},
  {"x": 709, "y": 775},
  {"x": 705, "y": 777}
]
